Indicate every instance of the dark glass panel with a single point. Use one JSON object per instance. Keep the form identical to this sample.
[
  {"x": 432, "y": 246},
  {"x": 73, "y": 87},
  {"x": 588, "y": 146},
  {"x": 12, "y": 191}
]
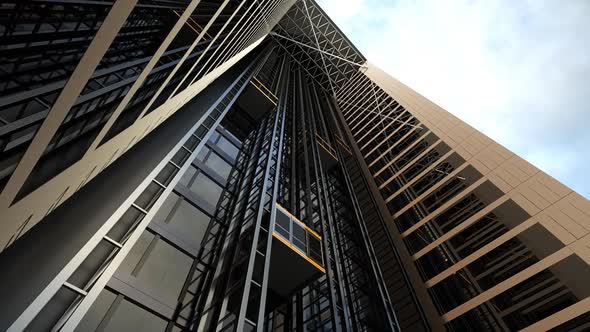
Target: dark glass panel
[{"x": 206, "y": 189}]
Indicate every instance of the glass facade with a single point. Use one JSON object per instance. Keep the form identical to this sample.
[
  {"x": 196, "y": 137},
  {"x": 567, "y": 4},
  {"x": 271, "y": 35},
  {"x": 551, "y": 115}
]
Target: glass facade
[{"x": 158, "y": 264}]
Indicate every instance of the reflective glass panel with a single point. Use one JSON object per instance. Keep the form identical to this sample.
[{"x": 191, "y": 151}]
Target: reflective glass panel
[
  {"x": 203, "y": 153},
  {"x": 96, "y": 312},
  {"x": 206, "y": 189},
  {"x": 217, "y": 164},
  {"x": 188, "y": 176},
  {"x": 164, "y": 270},
  {"x": 130, "y": 317},
  {"x": 190, "y": 221},
  {"x": 227, "y": 147}
]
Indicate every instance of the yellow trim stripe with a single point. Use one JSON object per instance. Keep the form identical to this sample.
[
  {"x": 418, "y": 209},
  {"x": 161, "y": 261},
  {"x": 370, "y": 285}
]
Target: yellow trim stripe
[
  {"x": 341, "y": 141},
  {"x": 324, "y": 144},
  {"x": 190, "y": 26},
  {"x": 345, "y": 147},
  {"x": 323, "y": 147},
  {"x": 321, "y": 138},
  {"x": 264, "y": 86},
  {"x": 301, "y": 253},
  {"x": 200, "y": 27},
  {"x": 299, "y": 221},
  {"x": 263, "y": 93}
]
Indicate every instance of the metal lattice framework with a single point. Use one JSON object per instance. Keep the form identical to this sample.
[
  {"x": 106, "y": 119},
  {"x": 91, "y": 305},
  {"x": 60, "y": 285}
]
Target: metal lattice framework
[
  {"x": 154, "y": 51},
  {"x": 316, "y": 43}
]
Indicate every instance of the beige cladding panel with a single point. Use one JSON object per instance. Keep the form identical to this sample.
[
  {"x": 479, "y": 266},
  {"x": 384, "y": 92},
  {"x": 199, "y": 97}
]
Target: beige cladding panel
[
  {"x": 502, "y": 167},
  {"x": 27, "y": 212},
  {"x": 558, "y": 209}
]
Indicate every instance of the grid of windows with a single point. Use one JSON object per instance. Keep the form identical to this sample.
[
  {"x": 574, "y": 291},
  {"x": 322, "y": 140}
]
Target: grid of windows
[
  {"x": 112, "y": 312},
  {"x": 158, "y": 264}
]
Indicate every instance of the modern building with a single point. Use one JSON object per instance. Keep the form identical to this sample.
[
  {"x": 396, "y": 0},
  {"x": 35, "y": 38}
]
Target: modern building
[{"x": 239, "y": 165}]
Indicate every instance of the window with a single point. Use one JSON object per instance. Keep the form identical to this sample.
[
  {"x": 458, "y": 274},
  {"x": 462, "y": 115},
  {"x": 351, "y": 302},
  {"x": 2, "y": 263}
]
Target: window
[
  {"x": 228, "y": 133},
  {"x": 183, "y": 217},
  {"x": 227, "y": 147},
  {"x": 165, "y": 269},
  {"x": 203, "y": 153},
  {"x": 282, "y": 224},
  {"x": 299, "y": 236},
  {"x": 129, "y": 317},
  {"x": 169, "y": 204},
  {"x": 190, "y": 221},
  {"x": 214, "y": 136},
  {"x": 188, "y": 176},
  {"x": 135, "y": 254},
  {"x": 96, "y": 312},
  {"x": 314, "y": 248},
  {"x": 208, "y": 190},
  {"x": 159, "y": 266},
  {"x": 111, "y": 312},
  {"x": 220, "y": 166}
]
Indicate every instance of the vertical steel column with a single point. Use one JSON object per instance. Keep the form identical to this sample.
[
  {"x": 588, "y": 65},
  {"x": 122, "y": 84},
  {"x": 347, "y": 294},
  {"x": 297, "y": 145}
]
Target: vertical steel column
[
  {"x": 326, "y": 222},
  {"x": 207, "y": 308},
  {"x": 329, "y": 222},
  {"x": 209, "y": 301},
  {"x": 273, "y": 155},
  {"x": 283, "y": 81}
]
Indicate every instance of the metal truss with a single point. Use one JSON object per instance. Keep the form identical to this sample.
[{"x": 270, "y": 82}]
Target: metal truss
[
  {"x": 283, "y": 161},
  {"x": 316, "y": 190},
  {"x": 314, "y": 41}
]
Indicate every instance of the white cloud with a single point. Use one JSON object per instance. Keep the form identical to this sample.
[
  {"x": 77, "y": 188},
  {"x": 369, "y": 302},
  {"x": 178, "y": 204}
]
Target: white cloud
[
  {"x": 516, "y": 70},
  {"x": 342, "y": 10}
]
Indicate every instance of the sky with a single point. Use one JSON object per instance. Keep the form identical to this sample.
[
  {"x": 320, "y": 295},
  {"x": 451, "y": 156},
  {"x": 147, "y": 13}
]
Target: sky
[{"x": 519, "y": 71}]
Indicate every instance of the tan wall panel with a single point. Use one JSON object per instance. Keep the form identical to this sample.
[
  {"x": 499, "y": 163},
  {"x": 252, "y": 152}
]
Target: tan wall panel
[
  {"x": 560, "y": 317},
  {"x": 556, "y": 229},
  {"x": 582, "y": 248},
  {"x": 507, "y": 284},
  {"x": 457, "y": 229},
  {"x": 499, "y": 182},
  {"x": 533, "y": 196},
  {"x": 479, "y": 166},
  {"x": 557, "y": 214},
  {"x": 482, "y": 251},
  {"x": 554, "y": 206}
]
